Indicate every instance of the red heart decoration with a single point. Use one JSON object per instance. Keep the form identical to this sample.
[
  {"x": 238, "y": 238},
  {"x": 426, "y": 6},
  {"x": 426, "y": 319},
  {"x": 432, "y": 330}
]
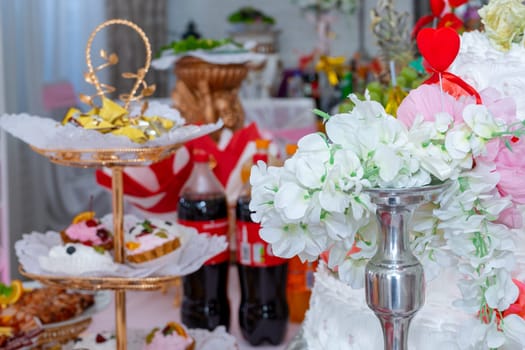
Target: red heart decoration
[{"x": 439, "y": 47}]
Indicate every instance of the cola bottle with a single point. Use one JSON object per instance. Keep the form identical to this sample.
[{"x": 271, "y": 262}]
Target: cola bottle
[
  {"x": 263, "y": 311},
  {"x": 202, "y": 205}
]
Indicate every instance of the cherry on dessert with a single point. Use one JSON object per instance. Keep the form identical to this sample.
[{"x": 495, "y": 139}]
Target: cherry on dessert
[
  {"x": 91, "y": 223},
  {"x": 102, "y": 234},
  {"x": 70, "y": 250},
  {"x": 100, "y": 339},
  {"x": 143, "y": 233}
]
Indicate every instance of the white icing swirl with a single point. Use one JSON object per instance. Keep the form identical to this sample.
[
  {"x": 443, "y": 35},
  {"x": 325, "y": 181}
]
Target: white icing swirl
[{"x": 482, "y": 65}]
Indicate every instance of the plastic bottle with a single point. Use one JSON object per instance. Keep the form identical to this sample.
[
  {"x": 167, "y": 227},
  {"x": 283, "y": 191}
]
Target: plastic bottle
[
  {"x": 202, "y": 205},
  {"x": 263, "y": 311},
  {"x": 300, "y": 277}
]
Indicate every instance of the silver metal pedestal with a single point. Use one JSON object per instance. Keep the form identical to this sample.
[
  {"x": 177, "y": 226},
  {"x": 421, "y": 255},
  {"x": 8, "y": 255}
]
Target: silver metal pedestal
[{"x": 394, "y": 281}]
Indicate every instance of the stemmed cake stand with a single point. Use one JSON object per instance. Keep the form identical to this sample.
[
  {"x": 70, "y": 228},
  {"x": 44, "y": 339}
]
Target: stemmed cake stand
[{"x": 115, "y": 159}]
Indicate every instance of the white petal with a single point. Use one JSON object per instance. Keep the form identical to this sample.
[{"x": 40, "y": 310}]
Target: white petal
[
  {"x": 514, "y": 328},
  {"x": 495, "y": 338},
  {"x": 293, "y": 200}
]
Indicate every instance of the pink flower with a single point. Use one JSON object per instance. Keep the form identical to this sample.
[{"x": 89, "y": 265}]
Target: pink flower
[
  {"x": 502, "y": 107},
  {"x": 428, "y": 100},
  {"x": 510, "y": 164},
  {"x": 511, "y": 217}
]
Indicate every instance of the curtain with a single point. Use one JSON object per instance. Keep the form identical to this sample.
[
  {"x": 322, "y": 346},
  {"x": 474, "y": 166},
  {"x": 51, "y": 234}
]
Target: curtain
[
  {"x": 151, "y": 16},
  {"x": 70, "y": 190},
  {"x": 43, "y": 41},
  {"x": 22, "y": 76}
]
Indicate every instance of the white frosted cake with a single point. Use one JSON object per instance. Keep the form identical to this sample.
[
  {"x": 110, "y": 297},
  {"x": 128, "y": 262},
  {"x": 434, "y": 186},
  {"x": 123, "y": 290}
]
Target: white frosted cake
[{"x": 339, "y": 318}]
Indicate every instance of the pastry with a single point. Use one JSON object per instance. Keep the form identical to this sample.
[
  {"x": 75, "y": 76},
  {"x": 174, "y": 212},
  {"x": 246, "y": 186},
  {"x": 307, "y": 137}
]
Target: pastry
[
  {"x": 173, "y": 336},
  {"x": 150, "y": 239},
  {"x": 88, "y": 230}
]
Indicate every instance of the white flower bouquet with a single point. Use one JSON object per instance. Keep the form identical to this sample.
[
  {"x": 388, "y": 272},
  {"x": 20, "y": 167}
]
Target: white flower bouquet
[{"x": 315, "y": 203}]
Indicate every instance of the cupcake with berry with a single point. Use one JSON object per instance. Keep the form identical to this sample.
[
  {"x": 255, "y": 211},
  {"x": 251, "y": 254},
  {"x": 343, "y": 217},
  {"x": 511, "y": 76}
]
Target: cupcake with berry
[
  {"x": 88, "y": 230},
  {"x": 150, "y": 239},
  {"x": 173, "y": 336}
]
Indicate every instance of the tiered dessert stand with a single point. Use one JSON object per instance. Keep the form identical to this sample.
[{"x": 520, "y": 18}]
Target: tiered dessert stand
[{"x": 116, "y": 159}]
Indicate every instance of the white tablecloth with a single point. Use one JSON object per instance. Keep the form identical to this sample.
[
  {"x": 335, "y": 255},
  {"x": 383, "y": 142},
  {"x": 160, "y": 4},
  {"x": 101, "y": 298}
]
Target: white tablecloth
[{"x": 148, "y": 309}]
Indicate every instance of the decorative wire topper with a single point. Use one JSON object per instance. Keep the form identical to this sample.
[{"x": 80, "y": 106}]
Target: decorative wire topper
[{"x": 112, "y": 59}]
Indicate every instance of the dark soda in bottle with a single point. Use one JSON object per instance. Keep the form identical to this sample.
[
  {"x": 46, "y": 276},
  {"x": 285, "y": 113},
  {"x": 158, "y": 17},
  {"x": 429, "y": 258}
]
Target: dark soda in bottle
[
  {"x": 263, "y": 312},
  {"x": 202, "y": 205}
]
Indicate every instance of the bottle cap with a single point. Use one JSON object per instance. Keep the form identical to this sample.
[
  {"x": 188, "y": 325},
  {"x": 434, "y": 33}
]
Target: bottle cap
[
  {"x": 201, "y": 156},
  {"x": 262, "y": 143},
  {"x": 259, "y": 156},
  {"x": 290, "y": 149}
]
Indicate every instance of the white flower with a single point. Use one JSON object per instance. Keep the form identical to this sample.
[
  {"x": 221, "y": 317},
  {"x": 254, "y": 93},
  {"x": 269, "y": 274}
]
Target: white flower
[
  {"x": 443, "y": 122},
  {"x": 436, "y": 161},
  {"x": 310, "y": 168},
  {"x": 293, "y": 200},
  {"x": 265, "y": 184},
  {"x": 477, "y": 335},
  {"x": 481, "y": 121},
  {"x": 457, "y": 142},
  {"x": 514, "y": 328},
  {"x": 388, "y": 163},
  {"x": 503, "y": 292},
  {"x": 352, "y": 272},
  {"x": 332, "y": 198},
  {"x": 494, "y": 338},
  {"x": 288, "y": 240}
]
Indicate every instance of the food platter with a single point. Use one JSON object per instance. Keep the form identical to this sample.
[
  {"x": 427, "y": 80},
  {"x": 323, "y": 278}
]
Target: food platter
[
  {"x": 60, "y": 332},
  {"x": 64, "y": 331},
  {"x": 102, "y": 301}
]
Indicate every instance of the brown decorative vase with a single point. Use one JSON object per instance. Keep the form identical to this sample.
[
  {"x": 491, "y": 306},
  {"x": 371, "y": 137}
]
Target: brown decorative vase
[{"x": 205, "y": 91}]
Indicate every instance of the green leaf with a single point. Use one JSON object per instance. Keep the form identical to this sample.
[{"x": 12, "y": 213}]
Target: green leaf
[
  {"x": 508, "y": 145},
  {"x": 463, "y": 184},
  {"x": 5, "y": 290},
  {"x": 147, "y": 226}
]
